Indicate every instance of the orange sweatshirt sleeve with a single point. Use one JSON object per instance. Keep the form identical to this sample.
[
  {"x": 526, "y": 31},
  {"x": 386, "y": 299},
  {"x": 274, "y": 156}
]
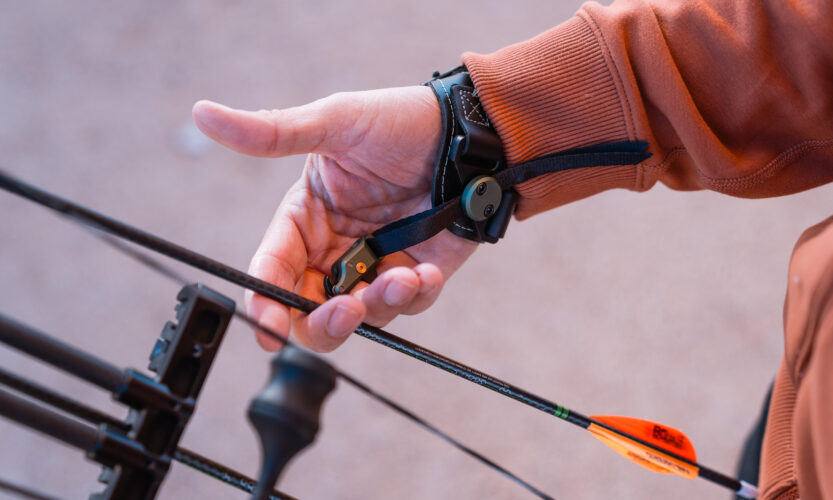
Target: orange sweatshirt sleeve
[
  {"x": 735, "y": 96},
  {"x": 800, "y": 428}
]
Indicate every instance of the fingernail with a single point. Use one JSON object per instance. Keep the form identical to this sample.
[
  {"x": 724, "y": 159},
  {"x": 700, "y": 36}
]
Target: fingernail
[
  {"x": 398, "y": 293},
  {"x": 342, "y": 321}
]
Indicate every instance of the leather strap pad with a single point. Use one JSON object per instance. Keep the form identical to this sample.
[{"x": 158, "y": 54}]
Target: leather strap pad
[{"x": 470, "y": 148}]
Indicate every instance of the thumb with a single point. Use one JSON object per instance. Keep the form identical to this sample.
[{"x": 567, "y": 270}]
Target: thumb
[{"x": 268, "y": 133}]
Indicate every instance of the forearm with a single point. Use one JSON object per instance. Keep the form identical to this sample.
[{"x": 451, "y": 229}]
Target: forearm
[{"x": 733, "y": 96}]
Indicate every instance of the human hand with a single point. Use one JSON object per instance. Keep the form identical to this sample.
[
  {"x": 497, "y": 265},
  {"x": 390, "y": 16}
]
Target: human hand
[{"x": 371, "y": 157}]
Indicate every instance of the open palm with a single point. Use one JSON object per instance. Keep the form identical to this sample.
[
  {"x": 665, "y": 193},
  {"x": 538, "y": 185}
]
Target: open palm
[{"x": 370, "y": 162}]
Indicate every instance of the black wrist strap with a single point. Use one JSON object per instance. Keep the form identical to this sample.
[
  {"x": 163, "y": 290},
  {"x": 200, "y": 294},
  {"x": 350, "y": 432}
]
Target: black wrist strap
[{"x": 472, "y": 189}]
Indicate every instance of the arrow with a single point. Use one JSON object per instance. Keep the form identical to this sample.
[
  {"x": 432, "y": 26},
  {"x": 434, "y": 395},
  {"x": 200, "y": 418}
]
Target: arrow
[{"x": 630, "y": 437}]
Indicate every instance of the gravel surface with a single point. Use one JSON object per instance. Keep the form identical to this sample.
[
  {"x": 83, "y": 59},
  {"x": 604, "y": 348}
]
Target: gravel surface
[{"x": 664, "y": 305}]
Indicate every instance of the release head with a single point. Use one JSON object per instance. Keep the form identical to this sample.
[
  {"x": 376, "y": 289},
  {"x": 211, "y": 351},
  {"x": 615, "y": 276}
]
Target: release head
[{"x": 356, "y": 264}]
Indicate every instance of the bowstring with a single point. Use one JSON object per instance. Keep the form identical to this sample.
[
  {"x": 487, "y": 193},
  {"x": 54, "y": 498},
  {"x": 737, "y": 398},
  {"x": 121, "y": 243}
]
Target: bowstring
[{"x": 24, "y": 491}]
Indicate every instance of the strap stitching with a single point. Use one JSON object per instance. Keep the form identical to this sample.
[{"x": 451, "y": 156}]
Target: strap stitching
[
  {"x": 473, "y": 108},
  {"x": 442, "y": 172},
  {"x": 453, "y": 121}
]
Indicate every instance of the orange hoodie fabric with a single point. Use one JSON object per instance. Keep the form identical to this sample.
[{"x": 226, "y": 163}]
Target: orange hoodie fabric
[{"x": 733, "y": 96}]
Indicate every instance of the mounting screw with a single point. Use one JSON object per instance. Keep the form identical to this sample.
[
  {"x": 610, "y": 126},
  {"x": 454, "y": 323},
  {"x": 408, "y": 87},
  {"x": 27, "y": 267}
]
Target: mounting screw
[
  {"x": 489, "y": 210},
  {"x": 480, "y": 190}
]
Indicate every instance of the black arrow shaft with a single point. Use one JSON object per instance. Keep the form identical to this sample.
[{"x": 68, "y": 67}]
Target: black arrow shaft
[{"x": 228, "y": 273}]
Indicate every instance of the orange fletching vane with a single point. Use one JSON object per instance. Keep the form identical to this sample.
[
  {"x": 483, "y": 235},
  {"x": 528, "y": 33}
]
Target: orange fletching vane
[{"x": 662, "y": 436}]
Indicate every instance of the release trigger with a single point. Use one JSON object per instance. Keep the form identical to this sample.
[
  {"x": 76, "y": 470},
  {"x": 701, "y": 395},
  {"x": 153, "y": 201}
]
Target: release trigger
[{"x": 356, "y": 264}]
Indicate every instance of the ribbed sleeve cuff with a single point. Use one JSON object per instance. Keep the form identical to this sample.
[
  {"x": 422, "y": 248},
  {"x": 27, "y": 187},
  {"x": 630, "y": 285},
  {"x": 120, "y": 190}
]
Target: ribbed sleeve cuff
[{"x": 554, "y": 92}]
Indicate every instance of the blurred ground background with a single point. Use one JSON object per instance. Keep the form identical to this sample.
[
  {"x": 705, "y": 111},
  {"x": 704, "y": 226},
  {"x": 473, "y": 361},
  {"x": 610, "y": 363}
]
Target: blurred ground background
[{"x": 662, "y": 305}]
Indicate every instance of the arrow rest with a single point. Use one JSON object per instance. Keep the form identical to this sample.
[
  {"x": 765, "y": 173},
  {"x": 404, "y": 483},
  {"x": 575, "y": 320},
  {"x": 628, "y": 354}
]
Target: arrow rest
[{"x": 286, "y": 413}]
